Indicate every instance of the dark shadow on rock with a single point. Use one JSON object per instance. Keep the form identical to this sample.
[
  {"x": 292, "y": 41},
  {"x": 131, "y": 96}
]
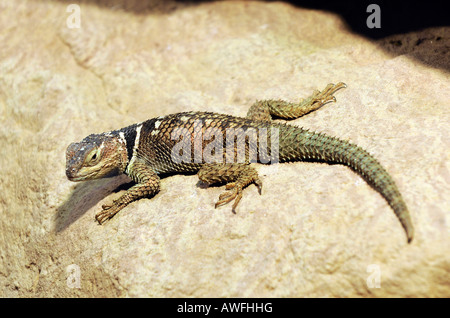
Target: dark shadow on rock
[
  {"x": 397, "y": 19},
  {"x": 84, "y": 196},
  {"x": 89, "y": 193},
  {"x": 395, "y": 16}
]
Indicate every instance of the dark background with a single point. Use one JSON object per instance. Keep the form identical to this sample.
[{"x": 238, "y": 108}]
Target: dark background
[{"x": 396, "y": 16}]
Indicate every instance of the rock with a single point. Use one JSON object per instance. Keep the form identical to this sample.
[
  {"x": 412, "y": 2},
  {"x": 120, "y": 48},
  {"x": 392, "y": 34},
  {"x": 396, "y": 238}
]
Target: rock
[{"x": 317, "y": 230}]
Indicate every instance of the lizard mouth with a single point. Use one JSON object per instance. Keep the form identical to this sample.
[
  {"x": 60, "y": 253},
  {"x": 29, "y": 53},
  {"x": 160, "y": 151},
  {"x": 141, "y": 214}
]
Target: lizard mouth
[
  {"x": 74, "y": 175},
  {"x": 74, "y": 178},
  {"x": 71, "y": 175}
]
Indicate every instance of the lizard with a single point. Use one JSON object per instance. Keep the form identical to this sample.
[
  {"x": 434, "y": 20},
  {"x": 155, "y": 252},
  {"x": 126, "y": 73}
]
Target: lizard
[{"x": 144, "y": 151}]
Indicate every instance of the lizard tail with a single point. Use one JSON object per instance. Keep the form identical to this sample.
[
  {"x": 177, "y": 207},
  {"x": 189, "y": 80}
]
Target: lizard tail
[{"x": 300, "y": 144}]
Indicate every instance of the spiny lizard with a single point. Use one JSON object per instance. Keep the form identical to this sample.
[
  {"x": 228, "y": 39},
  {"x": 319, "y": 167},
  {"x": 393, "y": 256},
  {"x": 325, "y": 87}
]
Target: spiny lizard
[{"x": 211, "y": 144}]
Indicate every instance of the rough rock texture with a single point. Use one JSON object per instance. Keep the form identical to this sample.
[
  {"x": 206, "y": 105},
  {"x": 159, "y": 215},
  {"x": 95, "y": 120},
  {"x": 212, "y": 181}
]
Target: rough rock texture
[{"x": 317, "y": 230}]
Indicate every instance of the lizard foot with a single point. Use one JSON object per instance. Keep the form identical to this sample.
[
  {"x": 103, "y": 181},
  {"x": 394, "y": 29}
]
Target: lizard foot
[
  {"x": 326, "y": 96},
  {"x": 108, "y": 211},
  {"x": 234, "y": 192}
]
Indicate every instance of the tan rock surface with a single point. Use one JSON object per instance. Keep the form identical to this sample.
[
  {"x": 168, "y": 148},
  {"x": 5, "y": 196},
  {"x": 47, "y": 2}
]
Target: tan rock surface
[{"x": 317, "y": 230}]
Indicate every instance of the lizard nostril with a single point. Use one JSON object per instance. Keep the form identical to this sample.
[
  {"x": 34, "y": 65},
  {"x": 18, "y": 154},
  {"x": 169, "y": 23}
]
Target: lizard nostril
[{"x": 70, "y": 172}]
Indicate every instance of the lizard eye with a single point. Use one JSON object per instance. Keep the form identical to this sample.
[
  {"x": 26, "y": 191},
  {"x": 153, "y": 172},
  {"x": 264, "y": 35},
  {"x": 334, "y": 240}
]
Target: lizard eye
[{"x": 93, "y": 157}]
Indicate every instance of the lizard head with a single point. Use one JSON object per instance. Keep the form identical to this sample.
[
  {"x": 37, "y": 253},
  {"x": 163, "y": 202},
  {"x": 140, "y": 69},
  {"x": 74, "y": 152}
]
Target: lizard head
[{"x": 96, "y": 156}]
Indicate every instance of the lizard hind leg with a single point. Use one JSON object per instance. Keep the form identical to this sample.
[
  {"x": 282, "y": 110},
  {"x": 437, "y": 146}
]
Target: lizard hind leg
[
  {"x": 263, "y": 109},
  {"x": 236, "y": 176}
]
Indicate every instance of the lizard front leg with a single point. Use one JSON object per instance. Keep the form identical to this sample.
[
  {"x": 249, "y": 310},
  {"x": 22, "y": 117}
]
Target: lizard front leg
[
  {"x": 147, "y": 184},
  {"x": 236, "y": 175}
]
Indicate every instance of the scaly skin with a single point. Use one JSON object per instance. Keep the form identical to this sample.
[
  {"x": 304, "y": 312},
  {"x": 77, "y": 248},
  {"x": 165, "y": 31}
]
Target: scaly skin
[{"x": 197, "y": 142}]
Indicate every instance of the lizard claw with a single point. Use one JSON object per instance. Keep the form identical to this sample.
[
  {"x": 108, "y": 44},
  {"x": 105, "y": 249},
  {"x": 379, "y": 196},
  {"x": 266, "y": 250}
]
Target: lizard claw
[
  {"x": 234, "y": 192},
  {"x": 102, "y": 216},
  {"x": 108, "y": 211},
  {"x": 326, "y": 95},
  {"x": 258, "y": 185}
]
